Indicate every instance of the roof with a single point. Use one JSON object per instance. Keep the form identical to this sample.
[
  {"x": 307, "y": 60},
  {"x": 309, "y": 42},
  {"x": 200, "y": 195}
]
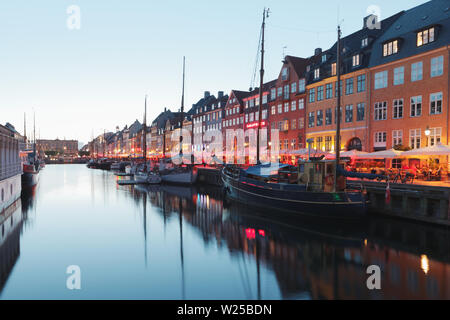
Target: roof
[
  {"x": 435, "y": 12},
  {"x": 350, "y": 46}
]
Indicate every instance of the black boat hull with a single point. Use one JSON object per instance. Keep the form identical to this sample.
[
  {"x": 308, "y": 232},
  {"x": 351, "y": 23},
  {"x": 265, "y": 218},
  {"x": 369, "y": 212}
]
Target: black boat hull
[
  {"x": 292, "y": 199},
  {"x": 30, "y": 179}
]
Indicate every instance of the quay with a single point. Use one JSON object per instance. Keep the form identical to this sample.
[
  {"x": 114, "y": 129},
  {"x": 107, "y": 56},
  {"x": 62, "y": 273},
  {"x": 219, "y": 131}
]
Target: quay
[{"x": 420, "y": 202}]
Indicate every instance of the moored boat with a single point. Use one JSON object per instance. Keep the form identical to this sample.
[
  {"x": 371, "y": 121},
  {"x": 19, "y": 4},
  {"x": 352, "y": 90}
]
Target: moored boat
[{"x": 304, "y": 190}]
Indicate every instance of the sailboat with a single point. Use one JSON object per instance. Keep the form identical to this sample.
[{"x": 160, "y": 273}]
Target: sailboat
[
  {"x": 316, "y": 188},
  {"x": 143, "y": 173},
  {"x": 31, "y": 165},
  {"x": 182, "y": 174}
]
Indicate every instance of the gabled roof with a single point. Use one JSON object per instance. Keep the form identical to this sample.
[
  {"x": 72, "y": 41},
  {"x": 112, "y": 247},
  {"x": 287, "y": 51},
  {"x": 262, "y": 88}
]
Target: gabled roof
[
  {"x": 240, "y": 95},
  {"x": 432, "y": 13}
]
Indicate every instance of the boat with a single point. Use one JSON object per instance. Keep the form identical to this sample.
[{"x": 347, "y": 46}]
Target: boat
[
  {"x": 119, "y": 166},
  {"x": 143, "y": 177},
  {"x": 314, "y": 188},
  {"x": 178, "y": 174},
  {"x": 305, "y": 190},
  {"x": 30, "y": 175}
]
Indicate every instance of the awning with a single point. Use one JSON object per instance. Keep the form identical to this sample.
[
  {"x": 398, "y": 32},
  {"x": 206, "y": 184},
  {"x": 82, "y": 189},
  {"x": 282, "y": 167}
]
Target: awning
[
  {"x": 385, "y": 154},
  {"x": 436, "y": 150}
]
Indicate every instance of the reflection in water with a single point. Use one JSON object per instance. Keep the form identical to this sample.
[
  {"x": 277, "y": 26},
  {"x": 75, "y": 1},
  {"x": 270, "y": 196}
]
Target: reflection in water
[{"x": 198, "y": 247}]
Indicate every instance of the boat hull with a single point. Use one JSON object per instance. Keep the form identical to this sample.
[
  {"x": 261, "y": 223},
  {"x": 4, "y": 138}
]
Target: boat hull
[
  {"x": 147, "y": 179},
  {"x": 180, "y": 178},
  {"x": 30, "y": 179},
  {"x": 295, "y": 199}
]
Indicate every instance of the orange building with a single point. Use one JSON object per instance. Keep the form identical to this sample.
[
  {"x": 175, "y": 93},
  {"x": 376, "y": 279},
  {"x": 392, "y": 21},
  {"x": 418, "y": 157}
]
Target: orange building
[
  {"x": 355, "y": 94},
  {"x": 410, "y": 80}
]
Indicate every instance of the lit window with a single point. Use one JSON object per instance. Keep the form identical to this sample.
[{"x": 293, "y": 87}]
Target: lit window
[
  {"x": 425, "y": 36},
  {"x": 390, "y": 48},
  {"x": 355, "y": 60},
  {"x": 316, "y": 73}
]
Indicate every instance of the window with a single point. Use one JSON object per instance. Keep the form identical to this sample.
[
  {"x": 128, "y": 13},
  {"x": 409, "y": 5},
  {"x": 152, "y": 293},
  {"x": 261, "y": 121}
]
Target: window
[
  {"x": 416, "y": 106},
  {"x": 311, "y": 120},
  {"x": 397, "y": 109},
  {"x": 293, "y": 105},
  {"x": 279, "y": 92},
  {"x": 251, "y": 117},
  {"x": 286, "y": 144},
  {"x": 252, "y": 103},
  {"x": 437, "y": 66},
  {"x": 360, "y": 111},
  {"x": 328, "y": 143},
  {"x": 294, "y": 87},
  {"x": 284, "y": 74},
  {"x": 329, "y": 91},
  {"x": 381, "y": 79},
  {"x": 312, "y": 94},
  {"x": 316, "y": 73},
  {"x": 336, "y": 88},
  {"x": 301, "y": 123},
  {"x": 264, "y": 114},
  {"x": 301, "y": 104},
  {"x": 435, "y": 136},
  {"x": 293, "y": 142},
  {"x": 286, "y": 107},
  {"x": 349, "y": 86},
  {"x": 364, "y": 42},
  {"x": 380, "y": 138},
  {"x": 355, "y": 60},
  {"x": 380, "y": 110},
  {"x": 324, "y": 58},
  {"x": 286, "y": 91},
  {"x": 328, "y": 116},
  {"x": 397, "y": 137},
  {"x": 333, "y": 69},
  {"x": 349, "y": 113},
  {"x": 390, "y": 48},
  {"x": 319, "y": 117},
  {"x": 273, "y": 93},
  {"x": 273, "y": 111},
  {"x": 361, "y": 83},
  {"x": 436, "y": 103},
  {"x": 301, "y": 85},
  {"x": 320, "y": 93},
  {"x": 414, "y": 138},
  {"x": 319, "y": 143},
  {"x": 425, "y": 36},
  {"x": 416, "y": 71},
  {"x": 294, "y": 124},
  {"x": 399, "y": 75},
  {"x": 264, "y": 99},
  {"x": 280, "y": 108},
  {"x": 286, "y": 125}
]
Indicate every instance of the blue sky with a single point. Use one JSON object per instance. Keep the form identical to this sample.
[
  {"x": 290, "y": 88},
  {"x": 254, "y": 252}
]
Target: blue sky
[{"x": 95, "y": 78}]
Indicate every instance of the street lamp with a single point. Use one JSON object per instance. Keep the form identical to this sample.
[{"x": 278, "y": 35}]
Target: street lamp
[{"x": 427, "y": 134}]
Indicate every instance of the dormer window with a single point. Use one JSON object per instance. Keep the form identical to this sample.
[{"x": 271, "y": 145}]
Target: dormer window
[
  {"x": 284, "y": 74},
  {"x": 308, "y": 68},
  {"x": 425, "y": 36},
  {"x": 324, "y": 58},
  {"x": 390, "y": 48},
  {"x": 333, "y": 69},
  {"x": 316, "y": 73},
  {"x": 356, "y": 60},
  {"x": 364, "y": 42}
]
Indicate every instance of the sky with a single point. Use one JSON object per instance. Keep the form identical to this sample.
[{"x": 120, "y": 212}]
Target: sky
[{"x": 80, "y": 82}]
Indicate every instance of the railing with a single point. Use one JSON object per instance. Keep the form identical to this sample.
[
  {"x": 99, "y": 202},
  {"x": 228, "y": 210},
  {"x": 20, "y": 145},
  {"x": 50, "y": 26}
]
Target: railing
[{"x": 10, "y": 170}]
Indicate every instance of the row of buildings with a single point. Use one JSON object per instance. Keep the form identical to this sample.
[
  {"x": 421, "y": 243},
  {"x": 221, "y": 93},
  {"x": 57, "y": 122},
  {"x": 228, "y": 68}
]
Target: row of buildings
[{"x": 395, "y": 84}]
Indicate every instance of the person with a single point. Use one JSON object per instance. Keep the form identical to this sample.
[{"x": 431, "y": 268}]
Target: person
[{"x": 414, "y": 170}]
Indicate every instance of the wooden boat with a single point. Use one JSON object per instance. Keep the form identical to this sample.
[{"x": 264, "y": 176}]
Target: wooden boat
[
  {"x": 304, "y": 190},
  {"x": 30, "y": 175}
]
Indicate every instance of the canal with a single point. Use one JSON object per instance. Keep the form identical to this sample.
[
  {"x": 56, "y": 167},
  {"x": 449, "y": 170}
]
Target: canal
[{"x": 171, "y": 242}]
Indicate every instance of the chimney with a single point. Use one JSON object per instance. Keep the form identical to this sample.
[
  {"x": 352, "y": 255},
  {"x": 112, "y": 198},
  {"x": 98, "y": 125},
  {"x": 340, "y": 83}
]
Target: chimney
[
  {"x": 317, "y": 51},
  {"x": 207, "y": 94},
  {"x": 219, "y": 94},
  {"x": 165, "y": 109}
]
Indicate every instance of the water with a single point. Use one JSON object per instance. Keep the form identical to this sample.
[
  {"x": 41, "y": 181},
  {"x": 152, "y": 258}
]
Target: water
[{"x": 181, "y": 243}]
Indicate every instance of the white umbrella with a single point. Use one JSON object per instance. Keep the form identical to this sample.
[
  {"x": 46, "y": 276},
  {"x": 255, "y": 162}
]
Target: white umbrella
[
  {"x": 350, "y": 154},
  {"x": 436, "y": 150},
  {"x": 384, "y": 154}
]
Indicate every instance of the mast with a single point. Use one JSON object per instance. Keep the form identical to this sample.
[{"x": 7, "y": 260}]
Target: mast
[
  {"x": 261, "y": 82},
  {"x": 182, "y": 112},
  {"x": 25, "y": 126},
  {"x": 145, "y": 131},
  {"x": 338, "y": 108},
  {"x": 34, "y": 135}
]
